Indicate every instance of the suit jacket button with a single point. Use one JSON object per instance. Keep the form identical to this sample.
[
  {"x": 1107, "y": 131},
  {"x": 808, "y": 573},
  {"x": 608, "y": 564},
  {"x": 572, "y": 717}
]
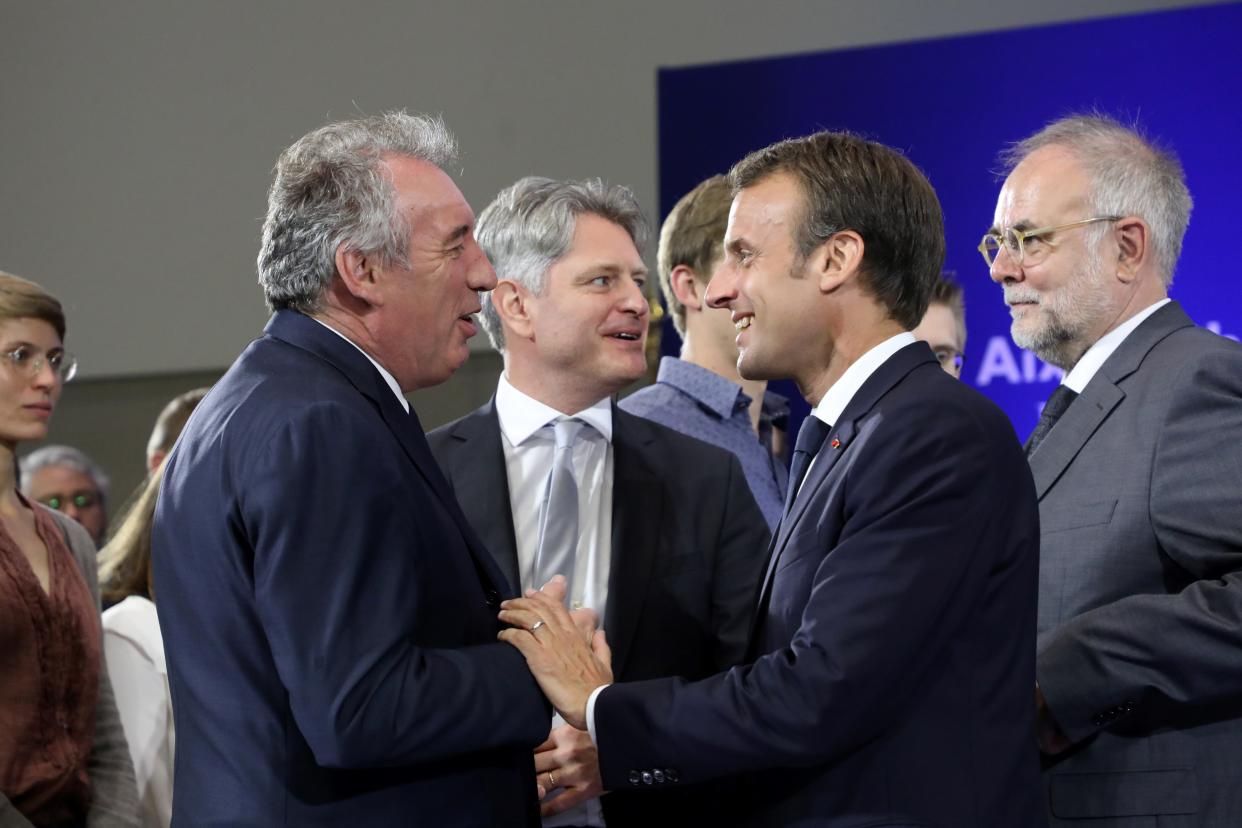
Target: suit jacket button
[
  {"x": 1099, "y": 720},
  {"x": 647, "y": 778},
  {"x": 493, "y": 598},
  {"x": 670, "y": 774},
  {"x": 634, "y": 777},
  {"x": 658, "y": 775}
]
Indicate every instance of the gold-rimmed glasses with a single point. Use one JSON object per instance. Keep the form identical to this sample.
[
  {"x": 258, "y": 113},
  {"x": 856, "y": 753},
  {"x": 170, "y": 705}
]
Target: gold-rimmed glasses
[{"x": 1027, "y": 246}]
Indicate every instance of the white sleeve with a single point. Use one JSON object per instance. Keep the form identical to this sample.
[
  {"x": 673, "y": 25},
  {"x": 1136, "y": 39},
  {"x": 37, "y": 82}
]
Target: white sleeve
[{"x": 142, "y": 700}]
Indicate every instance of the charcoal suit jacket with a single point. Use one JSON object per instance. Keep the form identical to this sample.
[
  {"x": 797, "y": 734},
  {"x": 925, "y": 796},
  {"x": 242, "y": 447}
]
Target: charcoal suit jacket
[
  {"x": 1140, "y": 584},
  {"x": 688, "y": 548}
]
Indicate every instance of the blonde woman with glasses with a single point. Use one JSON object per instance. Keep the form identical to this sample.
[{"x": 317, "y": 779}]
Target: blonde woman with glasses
[{"x": 63, "y": 757}]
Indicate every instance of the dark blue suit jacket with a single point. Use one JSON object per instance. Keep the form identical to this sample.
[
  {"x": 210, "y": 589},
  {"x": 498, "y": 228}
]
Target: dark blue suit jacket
[
  {"x": 893, "y": 659},
  {"x": 329, "y": 617}
]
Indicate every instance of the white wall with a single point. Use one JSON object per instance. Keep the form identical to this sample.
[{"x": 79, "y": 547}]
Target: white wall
[{"x": 137, "y": 138}]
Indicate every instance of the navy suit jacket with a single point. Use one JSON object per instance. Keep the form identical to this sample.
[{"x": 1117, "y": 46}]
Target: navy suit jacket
[
  {"x": 328, "y": 615},
  {"x": 688, "y": 545},
  {"x": 893, "y": 672}
]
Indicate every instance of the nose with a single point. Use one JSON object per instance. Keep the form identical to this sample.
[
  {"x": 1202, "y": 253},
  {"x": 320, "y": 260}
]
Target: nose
[
  {"x": 480, "y": 275},
  {"x": 633, "y": 300},
  {"x": 71, "y": 509},
  {"x": 1005, "y": 267},
  {"x": 722, "y": 289},
  {"x": 45, "y": 376}
]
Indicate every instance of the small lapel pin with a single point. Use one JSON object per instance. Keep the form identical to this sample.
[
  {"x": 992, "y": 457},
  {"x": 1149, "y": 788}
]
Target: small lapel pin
[{"x": 836, "y": 444}]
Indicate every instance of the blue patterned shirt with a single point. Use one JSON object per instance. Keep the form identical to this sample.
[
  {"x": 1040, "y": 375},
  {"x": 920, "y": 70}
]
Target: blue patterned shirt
[{"x": 705, "y": 405}]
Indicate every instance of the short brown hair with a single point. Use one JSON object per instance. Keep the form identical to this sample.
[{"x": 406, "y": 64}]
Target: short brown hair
[
  {"x": 23, "y": 299},
  {"x": 693, "y": 236},
  {"x": 172, "y": 420},
  {"x": 946, "y": 291},
  {"x": 849, "y": 183}
]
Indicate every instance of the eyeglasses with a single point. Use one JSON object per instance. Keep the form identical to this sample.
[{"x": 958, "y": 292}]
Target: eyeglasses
[
  {"x": 949, "y": 358},
  {"x": 29, "y": 362},
  {"x": 1027, "y": 246},
  {"x": 80, "y": 500}
]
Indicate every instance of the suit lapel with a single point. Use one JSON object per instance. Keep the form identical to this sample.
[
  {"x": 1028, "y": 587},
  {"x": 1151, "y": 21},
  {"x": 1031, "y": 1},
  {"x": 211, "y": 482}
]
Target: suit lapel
[
  {"x": 480, "y": 480},
  {"x": 304, "y": 332},
  {"x": 836, "y": 444},
  {"x": 637, "y": 512},
  {"x": 1101, "y": 396}
]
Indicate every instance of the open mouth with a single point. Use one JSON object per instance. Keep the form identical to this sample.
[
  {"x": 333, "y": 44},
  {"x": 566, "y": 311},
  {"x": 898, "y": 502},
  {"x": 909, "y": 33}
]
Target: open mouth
[
  {"x": 743, "y": 323},
  {"x": 626, "y": 336}
]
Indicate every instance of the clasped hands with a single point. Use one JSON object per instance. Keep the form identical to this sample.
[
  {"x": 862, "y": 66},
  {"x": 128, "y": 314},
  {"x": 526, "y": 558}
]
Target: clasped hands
[
  {"x": 569, "y": 658},
  {"x": 565, "y": 652}
]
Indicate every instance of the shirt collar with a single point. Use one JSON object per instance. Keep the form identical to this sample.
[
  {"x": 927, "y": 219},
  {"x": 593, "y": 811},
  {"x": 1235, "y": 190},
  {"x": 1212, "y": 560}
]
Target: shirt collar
[
  {"x": 843, "y": 390},
  {"x": 388, "y": 378},
  {"x": 710, "y": 389},
  {"x": 521, "y": 415},
  {"x": 1095, "y": 357}
]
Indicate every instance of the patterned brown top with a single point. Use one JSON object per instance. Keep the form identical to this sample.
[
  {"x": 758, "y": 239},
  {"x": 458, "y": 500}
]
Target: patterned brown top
[{"x": 49, "y": 680}]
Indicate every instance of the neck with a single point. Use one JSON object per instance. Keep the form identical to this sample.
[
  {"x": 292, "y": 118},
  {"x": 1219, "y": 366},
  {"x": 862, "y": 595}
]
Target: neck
[
  {"x": 725, "y": 365},
  {"x": 9, "y": 502},
  {"x": 838, "y": 355},
  {"x": 561, "y": 393}
]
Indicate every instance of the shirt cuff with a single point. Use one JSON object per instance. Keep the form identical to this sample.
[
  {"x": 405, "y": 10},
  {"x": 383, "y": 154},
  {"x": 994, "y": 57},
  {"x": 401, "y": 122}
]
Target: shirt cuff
[{"x": 590, "y": 711}]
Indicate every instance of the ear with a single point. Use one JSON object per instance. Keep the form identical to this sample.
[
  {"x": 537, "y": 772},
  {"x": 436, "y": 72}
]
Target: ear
[
  {"x": 514, "y": 307},
  {"x": 1133, "y": 247},
  {"x": 837, "y": 260},
  {"x": 359, "y": 274},
  {"x": 686, "y": 287}
]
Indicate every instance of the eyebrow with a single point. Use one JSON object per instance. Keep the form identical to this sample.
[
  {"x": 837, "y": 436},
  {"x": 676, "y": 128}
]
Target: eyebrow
[
  {"x": 21, "y": 343},
  {"x": 735, "y": 246},
  {"x": 458, "y": 234}
]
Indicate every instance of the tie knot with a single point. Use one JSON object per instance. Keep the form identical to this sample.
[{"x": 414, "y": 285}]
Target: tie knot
[
  {"x": 1059, "y": 401},
  {"x": 811, "y": 435},
  {"x": 566, "y": 430}
]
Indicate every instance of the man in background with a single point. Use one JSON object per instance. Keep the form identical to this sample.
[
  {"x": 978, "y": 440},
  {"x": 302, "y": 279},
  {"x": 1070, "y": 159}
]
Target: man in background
[
  {"x": 65, "y": 479},
  {"x": 944, "y": 325},
  {"x": 654, "y": 530},
  {"x": 1137, "y": 466},
  {"x": 700, "y": 393}
]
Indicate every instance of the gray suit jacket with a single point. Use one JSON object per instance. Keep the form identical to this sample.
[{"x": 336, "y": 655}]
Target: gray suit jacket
[{"x": 1140, "y": 589}]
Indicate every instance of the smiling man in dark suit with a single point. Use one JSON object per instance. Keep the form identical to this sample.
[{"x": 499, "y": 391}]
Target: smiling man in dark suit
[
  {"x": 656, "y": 531},
  {"x": 321, "y": 672},
  {"x": 1137, "y": 465},
  {"x": 887, "y": 676}
]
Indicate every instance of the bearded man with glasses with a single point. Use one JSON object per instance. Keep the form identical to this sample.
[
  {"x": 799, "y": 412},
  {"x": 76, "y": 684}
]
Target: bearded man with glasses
[{"x": 1136, "y": 465}]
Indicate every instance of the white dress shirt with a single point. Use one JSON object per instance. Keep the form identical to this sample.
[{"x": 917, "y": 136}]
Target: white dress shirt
[
  {"x": 135, "y": 654},
  {"x": 829, "y": 410},
  {"x": 388, "y": 378},
  {"x": 529, "y": 449},
  {"x": 832, "y": 404},
  {"x": 1090, "y": 362}
]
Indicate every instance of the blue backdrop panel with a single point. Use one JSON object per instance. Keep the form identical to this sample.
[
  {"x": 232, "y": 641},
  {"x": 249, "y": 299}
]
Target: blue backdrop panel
[{"x": 951, "y": 105}]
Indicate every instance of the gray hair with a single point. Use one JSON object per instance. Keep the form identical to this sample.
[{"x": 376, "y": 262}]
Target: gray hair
[
  {"x": 331, "y": 188},
  {"x": 68, "y": 456},
  {"x": 1131, "y": 175},
  {"x": 530, "y": 225}
]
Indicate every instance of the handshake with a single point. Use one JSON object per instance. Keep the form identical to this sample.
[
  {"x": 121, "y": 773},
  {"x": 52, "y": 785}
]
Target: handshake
[
  {"x": 565, "y": 651},
  {"x": 570, "y": 659}
]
